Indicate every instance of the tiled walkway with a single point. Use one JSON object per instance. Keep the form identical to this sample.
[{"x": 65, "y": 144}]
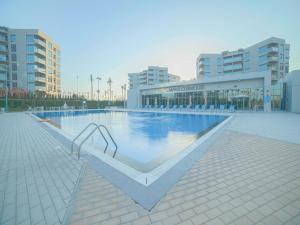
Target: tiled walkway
[
  {"x": 243, "y": 179},
  {"x": 37, "y": 175}
]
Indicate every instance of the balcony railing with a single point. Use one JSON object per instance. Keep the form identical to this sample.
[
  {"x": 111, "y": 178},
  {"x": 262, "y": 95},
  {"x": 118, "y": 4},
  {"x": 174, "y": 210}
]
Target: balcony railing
[
  {"x": 273, "y": 49},
  {"x": 273, "y": 59},
  {"x": 40, "y": 88},
  {"x": 39, "y": 60},
  {"x": 39, "y": 51},
  {"x": 40, "y": 79},
  {"x": 40, "y": 70},
  {"x": 37, "y": 41}
]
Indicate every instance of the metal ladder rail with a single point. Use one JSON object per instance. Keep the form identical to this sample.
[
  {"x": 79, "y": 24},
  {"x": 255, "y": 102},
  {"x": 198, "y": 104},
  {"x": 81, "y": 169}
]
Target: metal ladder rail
[
  {"x": 116, "y": 146},
  {"x": 87, "y": 137},
  {"x": 94, "y": 124}
]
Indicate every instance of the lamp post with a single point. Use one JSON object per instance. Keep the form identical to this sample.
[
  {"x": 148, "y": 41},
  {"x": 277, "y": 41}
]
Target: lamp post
[
  {"x": 122, "y": 87},
  {"x": 77, "y": 86},
  {"x": 98, "y": 91},
  {"x": 109, "y": 95},
  {"x": 124, "y": 95},
  {"x": 6, "y": 96}
]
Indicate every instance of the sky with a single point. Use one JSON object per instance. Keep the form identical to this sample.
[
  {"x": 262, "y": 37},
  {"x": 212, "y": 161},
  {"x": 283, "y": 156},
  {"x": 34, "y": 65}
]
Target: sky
[{"x": 111, "y": 38}]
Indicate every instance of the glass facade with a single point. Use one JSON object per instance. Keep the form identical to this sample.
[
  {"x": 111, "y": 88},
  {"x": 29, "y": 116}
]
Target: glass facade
[{"x": 242, "y": 99}]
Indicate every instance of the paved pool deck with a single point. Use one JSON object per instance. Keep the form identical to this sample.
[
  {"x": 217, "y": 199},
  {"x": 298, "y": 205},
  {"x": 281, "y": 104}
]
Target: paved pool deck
[
  {"x": 38, "y": 177},
  {"x": 249, "y": 175}
]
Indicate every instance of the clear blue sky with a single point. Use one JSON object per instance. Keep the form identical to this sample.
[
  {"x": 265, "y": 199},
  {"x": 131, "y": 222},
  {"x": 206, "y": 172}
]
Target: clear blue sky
[{"x": 111, "y": 38}]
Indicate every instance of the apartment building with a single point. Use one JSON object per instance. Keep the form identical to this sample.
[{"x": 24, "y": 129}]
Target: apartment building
[
  {"x": 29, "y": 61},
  {"x": 153, "y": 75},
  {"x": 271, "y": 54}
]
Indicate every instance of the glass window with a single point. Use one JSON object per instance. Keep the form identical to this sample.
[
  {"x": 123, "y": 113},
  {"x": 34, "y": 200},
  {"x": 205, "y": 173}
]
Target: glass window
[
  {"x": 30, "y": 48},
  {"x": 247, "y": 56},
  {"x": 3, "y": 57},
  {"x": 29, "y": 38},
  {"x": 14, "y": 76},
  {"x": 30, "y": 58},
  {"x": 14, "y": 66},
  {"x": 3, "y": 48},
  {"x": 49, "y": 62},
  {"x": 50, "y": 45},
  {"x": 13, "y": 38},
  {"x": 263, "y": 50},
  {"x": 14, "y": 85},
  {"x": 31, "y": 77},
  {"x": 13, "y": 57},
  {"x": 31, "y": 68},
  {"x": 3, "y": 67},
  {"x": 13, "y": 47},
  {"x": 50, "y": 54}
]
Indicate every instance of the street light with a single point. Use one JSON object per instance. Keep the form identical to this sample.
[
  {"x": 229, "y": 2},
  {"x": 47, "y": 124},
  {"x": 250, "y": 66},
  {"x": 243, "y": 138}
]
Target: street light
[
  {"x": 109, "y": 96},
  {"x": 6, "y": 96},
  {"x": 98, "y": 91},
  {"x": 123, "y": 94},
  {"x": 77, "y": 85}
]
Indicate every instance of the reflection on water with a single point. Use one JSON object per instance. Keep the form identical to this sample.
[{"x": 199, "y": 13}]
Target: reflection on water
[{"x": 143, "y": 137}]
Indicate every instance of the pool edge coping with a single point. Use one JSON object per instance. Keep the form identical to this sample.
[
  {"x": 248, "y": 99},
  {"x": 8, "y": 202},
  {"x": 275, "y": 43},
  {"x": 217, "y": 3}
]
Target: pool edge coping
[{"x": 148, "y": 195}]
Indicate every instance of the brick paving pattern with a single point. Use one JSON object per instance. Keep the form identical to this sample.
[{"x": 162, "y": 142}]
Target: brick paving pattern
[
  {"x": 243, "y": 179},
  {"x": 37, "y": 174}
]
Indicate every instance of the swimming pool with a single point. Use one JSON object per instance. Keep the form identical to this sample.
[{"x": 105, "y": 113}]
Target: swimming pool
[{"x": 145, "y": 139}]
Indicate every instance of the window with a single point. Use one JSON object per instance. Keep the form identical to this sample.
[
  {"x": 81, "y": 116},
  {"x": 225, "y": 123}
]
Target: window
[
  {"x": 49, "y": 54},
  {"x": 13, "y": 47},
  {"x": 14, "y": 85},
  {"x": 3, "y": 48},
  {"x": 30, "y": 58},
  {"x": 263, "y": 50},
  {"x": 49, "y": 62},
  {"x": 3, "y": 57},
  {"x": 30, "y": 48},
  {"x": 31, "y": 77},
  {"x": 30, "y": 67},
  {"x": 50, "y": 71},
  {"x": 50, "y": 45},
  {"x": 14, "y": 76},
  {"x": 3, "y": 67},
  {"x": 13, "y": 57},
  {"x": 12, "y": 38},
  {"x": 29, "y": 38},
  {"x": 14, "y": 66}
]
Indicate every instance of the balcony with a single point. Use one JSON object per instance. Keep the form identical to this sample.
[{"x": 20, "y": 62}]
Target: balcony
[
  {"x": 3, "y": 60},
  {"x": 40, "y": 51},
  {"x": 201, "y": 65},
  {"x": 39, "y": 60},
  {"x": 273, "y": 59},
  {"x": 273, "y": 49},
  {"x": 40, "y": 79},
  {"x": 40, "y": 70},
  {"x": 40, "y": 88},
  {"x": 39, "y": 42}
]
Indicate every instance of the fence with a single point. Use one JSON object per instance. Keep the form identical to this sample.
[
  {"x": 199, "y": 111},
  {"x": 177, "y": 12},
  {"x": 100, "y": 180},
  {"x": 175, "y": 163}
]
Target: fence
[{"x": 23, "y": 104}]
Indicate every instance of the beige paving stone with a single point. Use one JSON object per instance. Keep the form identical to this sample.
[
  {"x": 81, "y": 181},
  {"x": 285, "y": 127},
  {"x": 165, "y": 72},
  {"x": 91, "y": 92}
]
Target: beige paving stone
[{"x": 230, "y": 184}]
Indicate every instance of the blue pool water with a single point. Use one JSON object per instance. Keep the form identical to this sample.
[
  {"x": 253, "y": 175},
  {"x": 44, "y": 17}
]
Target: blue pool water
[{"x": 145, "y": 139}]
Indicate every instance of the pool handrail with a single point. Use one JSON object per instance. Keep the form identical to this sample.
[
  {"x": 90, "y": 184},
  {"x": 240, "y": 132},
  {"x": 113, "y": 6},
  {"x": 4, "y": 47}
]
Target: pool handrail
[{"x": 97, "y": 127}]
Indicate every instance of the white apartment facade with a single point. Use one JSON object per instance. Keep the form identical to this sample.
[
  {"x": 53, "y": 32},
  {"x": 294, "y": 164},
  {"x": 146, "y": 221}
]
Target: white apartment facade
[
  {"x": 271, "y": 54},
  {"x": 29, "y": 61},
  {"x": 153, "y": 75}
]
